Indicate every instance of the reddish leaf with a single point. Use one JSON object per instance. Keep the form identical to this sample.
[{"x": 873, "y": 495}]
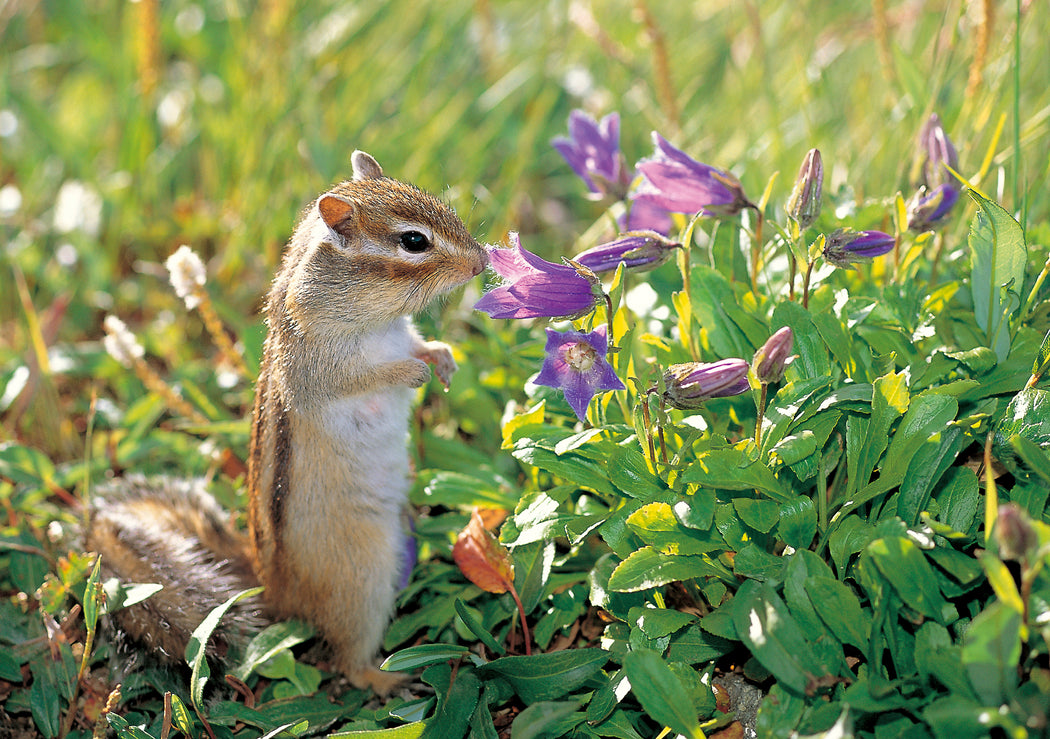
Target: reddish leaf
[{"x": 481, "y": 558}]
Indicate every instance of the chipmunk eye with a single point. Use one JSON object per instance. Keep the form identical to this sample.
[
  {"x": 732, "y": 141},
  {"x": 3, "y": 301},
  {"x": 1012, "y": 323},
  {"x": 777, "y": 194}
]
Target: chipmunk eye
[{"x": 414, "y": 241}]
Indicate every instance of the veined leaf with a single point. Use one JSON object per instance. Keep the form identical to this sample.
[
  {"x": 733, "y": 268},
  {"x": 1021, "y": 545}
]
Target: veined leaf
[
  {"x": 549, "y": 676},
  {"x": 999, "y": 256},
  {"x": 661, "y": 693}
]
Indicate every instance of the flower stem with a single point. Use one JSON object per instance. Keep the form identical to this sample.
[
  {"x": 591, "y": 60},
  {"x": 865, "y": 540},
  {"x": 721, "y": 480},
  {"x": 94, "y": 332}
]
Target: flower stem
[
  {"x": 761, "y": 414},
  {"x": 792, "y": 269},
  {"x": 647, "y": 420},
  {"x": 805, "y": 285},
  {"x": 660, "y": 431},
  {"x": 218, "y": 333},
  {"x": 756, "y": 249},
  {"x": 154, "y": 383},
  {"x": 936, "y": 263}
]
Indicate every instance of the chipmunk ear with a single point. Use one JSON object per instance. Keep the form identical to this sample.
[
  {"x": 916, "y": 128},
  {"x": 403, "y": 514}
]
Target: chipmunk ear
[
  {"x": 365, "y": 167},
  {"x": 336, "y": 212}
]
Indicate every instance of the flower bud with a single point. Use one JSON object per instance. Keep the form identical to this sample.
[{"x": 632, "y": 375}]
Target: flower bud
[
  {"x": 774, "y": 356},
  {"x": 804, "y": 203},
  {"x": 845, "y": 247},
  {"x": 927, "y": 211},
  {"x": 640, "y": 250},
  {"x": 688, "y": 385},
  {"x": 1014, "y": 531},
  {"x": 937, "y": 153}
]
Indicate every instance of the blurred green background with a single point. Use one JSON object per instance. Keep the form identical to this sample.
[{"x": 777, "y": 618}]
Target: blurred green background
[{"x": 129, "y": 128}]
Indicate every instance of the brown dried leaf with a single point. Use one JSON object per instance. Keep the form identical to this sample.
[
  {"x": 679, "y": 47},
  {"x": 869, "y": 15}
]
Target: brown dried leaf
[{"x": 481, "y": 558}]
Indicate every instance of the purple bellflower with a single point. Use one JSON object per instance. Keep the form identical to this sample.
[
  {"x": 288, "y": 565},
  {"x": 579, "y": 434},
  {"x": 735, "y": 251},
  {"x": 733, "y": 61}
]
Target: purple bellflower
[
  {"x": 575, "y": 363},
  {"x": 773, "y": 357},
  {"x": 592, "y": 149},
  {"x": 645, "y": 215},
  {"x": 688, "y": 385},
  {"x": 536, "y": 288},
  {"x": 640, "y": 250},
  {"x": 674, "y": 181},
  {"x": 928, "y": 210},
  {"x": 845, "y": 247}
]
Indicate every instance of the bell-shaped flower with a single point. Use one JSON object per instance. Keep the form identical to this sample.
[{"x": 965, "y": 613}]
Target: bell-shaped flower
[
  {"x": 936, "y": 153},
  {"x": 688, "y": 385},
  {"x": 575, "y": 363},
  {"x": 536, "y": 288},
  {"x": 644, "y": 215},
  {"x": 592, "y": 149},
  {"x": 676, "y": 182},
  {"x": 929, "y": 210},
  {"x": 846, "y": 247},
  {"x": 640, "y": 250},
  {"x": 804, "y": 203},
  {"x": 773, "y": 357}
]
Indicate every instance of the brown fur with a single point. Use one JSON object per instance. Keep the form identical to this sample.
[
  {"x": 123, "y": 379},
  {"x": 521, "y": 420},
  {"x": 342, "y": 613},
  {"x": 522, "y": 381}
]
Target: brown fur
[{"x": 328, "y": 469}]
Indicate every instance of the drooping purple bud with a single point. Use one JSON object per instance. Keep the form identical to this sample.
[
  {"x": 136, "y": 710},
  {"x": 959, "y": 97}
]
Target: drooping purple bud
[
  {"x": 688, "y": 385},
  {"x": 592, "y": 149},
  {"x": 936, "y": 153},
  {"x": 641, "y": 250},
  {"x": 804, "y": 203},
  {"x": 929, "y": 210},
  {"x": 536, "y": 288},
  {"x": 773, "y": 357},
  {"x": 846, "y": 247},
  {"x": 675, "y": 182}
]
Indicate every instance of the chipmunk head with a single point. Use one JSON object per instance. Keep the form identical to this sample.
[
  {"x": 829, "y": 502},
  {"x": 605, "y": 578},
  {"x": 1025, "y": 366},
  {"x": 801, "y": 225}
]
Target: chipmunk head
[{"x": 390, "y": 244}]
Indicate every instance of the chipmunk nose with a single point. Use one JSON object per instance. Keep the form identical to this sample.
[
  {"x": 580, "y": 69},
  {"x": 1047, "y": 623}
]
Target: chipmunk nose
[{"x": 481, "y": 264}]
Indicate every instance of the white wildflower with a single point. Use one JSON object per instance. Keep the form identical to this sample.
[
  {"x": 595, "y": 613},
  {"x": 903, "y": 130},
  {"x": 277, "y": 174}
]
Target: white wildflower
[
  {"x": 187, "y": 275},
  {"x": 120, "y": 342}
]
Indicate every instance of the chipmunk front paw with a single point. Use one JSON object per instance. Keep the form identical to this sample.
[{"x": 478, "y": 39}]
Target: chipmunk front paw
[{"x": 439, "y": 354}]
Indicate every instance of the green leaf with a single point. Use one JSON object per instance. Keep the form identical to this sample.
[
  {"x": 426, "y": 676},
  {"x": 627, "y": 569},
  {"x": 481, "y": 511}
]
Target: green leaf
[
  {"x": 180, "y": 716},
  {"x": 648, "y": 568},
  {"x": 583, "y": 472},
  {"x": 422, "y": 655},
  {"x": 125, "y": 730},
  {"x": 43, "y": 701},
  {"x": 548, "y": 676},
  {"x": 839, "y": 608},
  {"x": 1042, "y": 359},
  {"x": 991, "y": 651},
  {"x": 812, "y": 361},
  {"x": 545, "y": 719},
  {"x": 731, "y": 469},
  {"x": 731, "y": 331},
  {"x": 1027, "y": 416},
  {"x": 270, "y": 641},
  {"x": 905, "y": 567},
  {"x": 798, "y": 522},
  {"x": 532, "y": 571},
  {"x": 927, "y": 414},
  {"x": 629, "y": 471},
  {"x": 477, "y": 629},
  {"x": 661, "y": 693},
  {"x": 766, "y": 626},
  {"x": 761, "y": 515},
  {"x": 454, "y": 712},
  {"x": 92, "y": 594},
  {"x": 656, "y": 525},
  {"x": 925, "y": 469},
  {"x": 195, "y": 650},
  {"x": 25, "y": 465},
  {"x": 889, "y": 401},
  {"x": 999, "y": 256}
]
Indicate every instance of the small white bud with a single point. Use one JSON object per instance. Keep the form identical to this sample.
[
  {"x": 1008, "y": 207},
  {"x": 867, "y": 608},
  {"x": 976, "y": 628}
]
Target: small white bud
[
  {"x": 187, "y": 274},
  {"x": 120, "y": 342}
]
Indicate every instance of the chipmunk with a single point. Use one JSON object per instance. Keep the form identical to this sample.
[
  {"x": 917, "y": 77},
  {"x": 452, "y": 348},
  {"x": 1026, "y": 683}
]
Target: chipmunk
[{"x": 328, "y": 468}]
